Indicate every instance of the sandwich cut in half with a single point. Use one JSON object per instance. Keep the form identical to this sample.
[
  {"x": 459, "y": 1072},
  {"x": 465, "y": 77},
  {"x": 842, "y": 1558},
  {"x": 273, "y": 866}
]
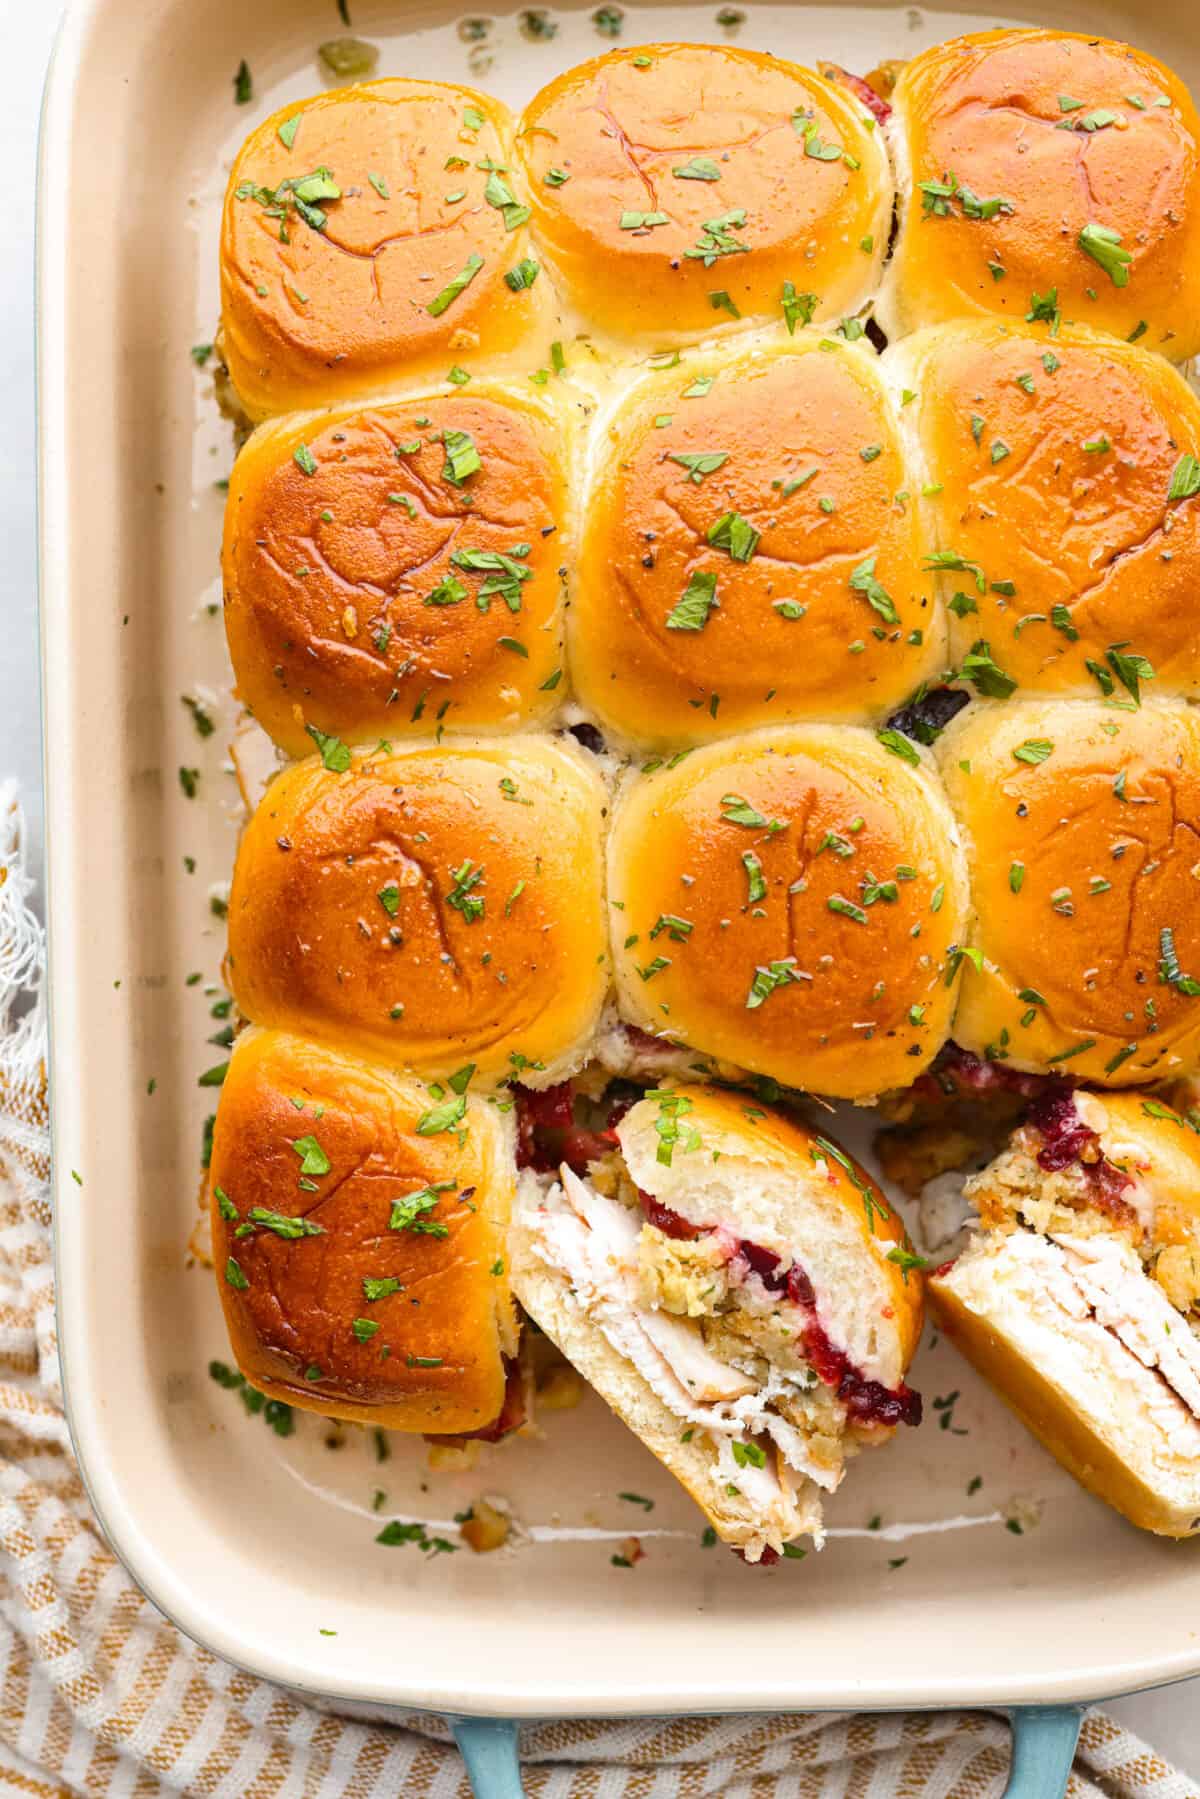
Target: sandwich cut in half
[
  {"x": 1078, "y": 1295},
  {"x": 736, "y": 1288}
]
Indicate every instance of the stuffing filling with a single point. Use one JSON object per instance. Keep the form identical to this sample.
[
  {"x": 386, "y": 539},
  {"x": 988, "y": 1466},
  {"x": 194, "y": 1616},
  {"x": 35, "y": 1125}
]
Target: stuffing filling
[
  {"x": 1056, "y": 1179},
  {"x": 726, "y": 1334}
]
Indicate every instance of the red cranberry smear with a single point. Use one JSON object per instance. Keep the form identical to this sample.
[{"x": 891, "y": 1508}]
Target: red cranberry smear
[
  {"x": 1063, "y": 1132},
  {"x": 670, "y": 1223},
  {"x": 867, "y": 1401},
  {"x": 510, "y": 1417},
  {"x": 1064, "y": 1139},
  {"x": 957, "y": 1072},
  {"x": 875, "y": 103},
  {"x": 548, "y": 1135}
]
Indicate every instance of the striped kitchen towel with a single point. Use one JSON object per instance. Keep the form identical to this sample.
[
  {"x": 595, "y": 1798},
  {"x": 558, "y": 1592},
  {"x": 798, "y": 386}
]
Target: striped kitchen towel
[{"x": 99, "y": 1694}]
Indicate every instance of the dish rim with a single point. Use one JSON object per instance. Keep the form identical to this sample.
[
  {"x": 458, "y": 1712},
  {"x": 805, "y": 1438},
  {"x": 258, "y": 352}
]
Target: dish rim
[{"x": 487, "y": 1695}]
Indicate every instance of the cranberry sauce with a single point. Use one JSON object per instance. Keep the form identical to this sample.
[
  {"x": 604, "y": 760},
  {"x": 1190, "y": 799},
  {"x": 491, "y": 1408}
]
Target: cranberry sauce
[
  {"x": 668, "y": 1222},
  {"x": 956, "y": 1073},
  {"x": 511, "y": 1416},
  {"x": 547, "y": 1133},
  {"x": 1067, "y": 1139},
  {"x": 867, "y": 1401},
  {"x": 875, "y": 103}
]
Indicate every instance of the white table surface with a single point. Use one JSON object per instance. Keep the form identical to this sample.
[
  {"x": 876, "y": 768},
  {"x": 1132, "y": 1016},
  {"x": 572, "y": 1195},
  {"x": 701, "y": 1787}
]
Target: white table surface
[{"x": 1169, "y": 1718}]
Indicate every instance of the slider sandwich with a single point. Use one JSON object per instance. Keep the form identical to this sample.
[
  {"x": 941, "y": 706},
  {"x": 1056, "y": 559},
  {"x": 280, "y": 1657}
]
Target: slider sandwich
[
  {"x": 358, "y": 1227},
  {"x": 738, "y": 1290},
  {"x": 1078, "y": 1295}
]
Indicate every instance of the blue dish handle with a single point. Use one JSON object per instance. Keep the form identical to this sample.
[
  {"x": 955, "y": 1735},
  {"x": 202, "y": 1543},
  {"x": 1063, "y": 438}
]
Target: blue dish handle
[
  {"x": 489, "y": 1746},
  {"x": 1044, "y": 1739}
]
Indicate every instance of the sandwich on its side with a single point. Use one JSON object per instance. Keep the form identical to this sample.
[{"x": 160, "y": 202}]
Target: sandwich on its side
[
  {"x": 1078, "y": 1296},
  {"x": 739, "y": 1291}
]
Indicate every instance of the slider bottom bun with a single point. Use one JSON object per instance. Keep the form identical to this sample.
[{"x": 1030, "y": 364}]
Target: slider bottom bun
[
  {"x": 1013, "y": 1305},
  {"x": 738, "y": 1291}
]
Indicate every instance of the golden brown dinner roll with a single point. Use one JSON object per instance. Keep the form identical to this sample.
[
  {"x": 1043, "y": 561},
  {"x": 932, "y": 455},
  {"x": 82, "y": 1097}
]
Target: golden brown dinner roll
[
  {"x": 430, "y": 907},
  {"x": 358, "y": 1224},
  {"x": 1081, "y": 822},
  {"x": 394, "y": 566},
  {"x": 677, "y": 186},
  {"x": 1067, "y": 501},
  {"x": 1048, "y": 174},
  {"x": 747, "y": 559},
  {"x": 789, "y": 902},
  {"x": 1079, "y": 1295},
  {"x": 367, "y": 238},
  {"x": 740, "y": 1292}
]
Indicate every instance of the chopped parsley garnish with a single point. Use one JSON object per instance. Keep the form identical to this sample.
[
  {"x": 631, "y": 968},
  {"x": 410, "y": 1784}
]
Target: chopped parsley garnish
[
  {"x": 900, "y": 745},
  {"x": 701, "y": 463},
  {"x": 411, "y": 1211},
  {"x": 523, "y": 275},
  {"x": 755, "y": 876},
  {"x": 462, "y": 458},
  {"x": 1131, "y": 670},
  {"x": 734, "y": 533},
  {"x": 767, "y": 978},
  {"x": 987, "y": 677},
  {"x": 1033, "y": 750},
  {"x": 461, "y": 895},
  {"x": 497, "y": 193},
  {"x": 950, "y": 559},
  {"x": 740, "y": 812},
  {"x": 313, "y": 1159},
  {"x": 938, "y": 198},
  {"x": 690, "y": 612},
  {"x": 863, "y": 581},
  {"x": 797, "y": 306},
  {"x": 1103, "y": 245},
  {"x": 1185, "y": 479},
  {"x": 397, "y": 1533},
  {"x": 1044, "y": 309},
  {"x": 700, "y": 168},
  {"x": 671, "y": 1136},
  {"x": 281, "y": 1223},
  {"x": 1169, "y": 971},
  {"x": 334, "y": 753},
  {"x": 438, "y": 305},
  {"x": 381, "y": 1287},
  {"x": 716, "y": 238}
]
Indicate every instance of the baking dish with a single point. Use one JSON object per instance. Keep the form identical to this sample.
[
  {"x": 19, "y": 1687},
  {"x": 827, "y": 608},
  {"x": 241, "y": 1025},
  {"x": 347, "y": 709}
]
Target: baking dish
[{"x": 964, "y": 1570}]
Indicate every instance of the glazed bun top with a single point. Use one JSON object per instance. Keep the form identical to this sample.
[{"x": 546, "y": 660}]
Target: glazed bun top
[
  {"x": 676, "y": 186},
  {"x": 746, "y": 558},
  {"x": 760, "y": 1175},
  {"x": 1081, "y": 821},
  {"x": 343, "y": 1227},
  {"x": 438, "y": 908},
  {"x": 1048, "y": 171},
  {"x": 1069, "y": 492},
  {"x": 365, "y": 241},
  {"x": 392, "y": 567},
  {"x": 788, "y": 902}
]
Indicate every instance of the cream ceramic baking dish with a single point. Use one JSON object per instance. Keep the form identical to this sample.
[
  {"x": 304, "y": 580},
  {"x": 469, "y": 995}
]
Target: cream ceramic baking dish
[{"x": 964, "y": 1570}]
